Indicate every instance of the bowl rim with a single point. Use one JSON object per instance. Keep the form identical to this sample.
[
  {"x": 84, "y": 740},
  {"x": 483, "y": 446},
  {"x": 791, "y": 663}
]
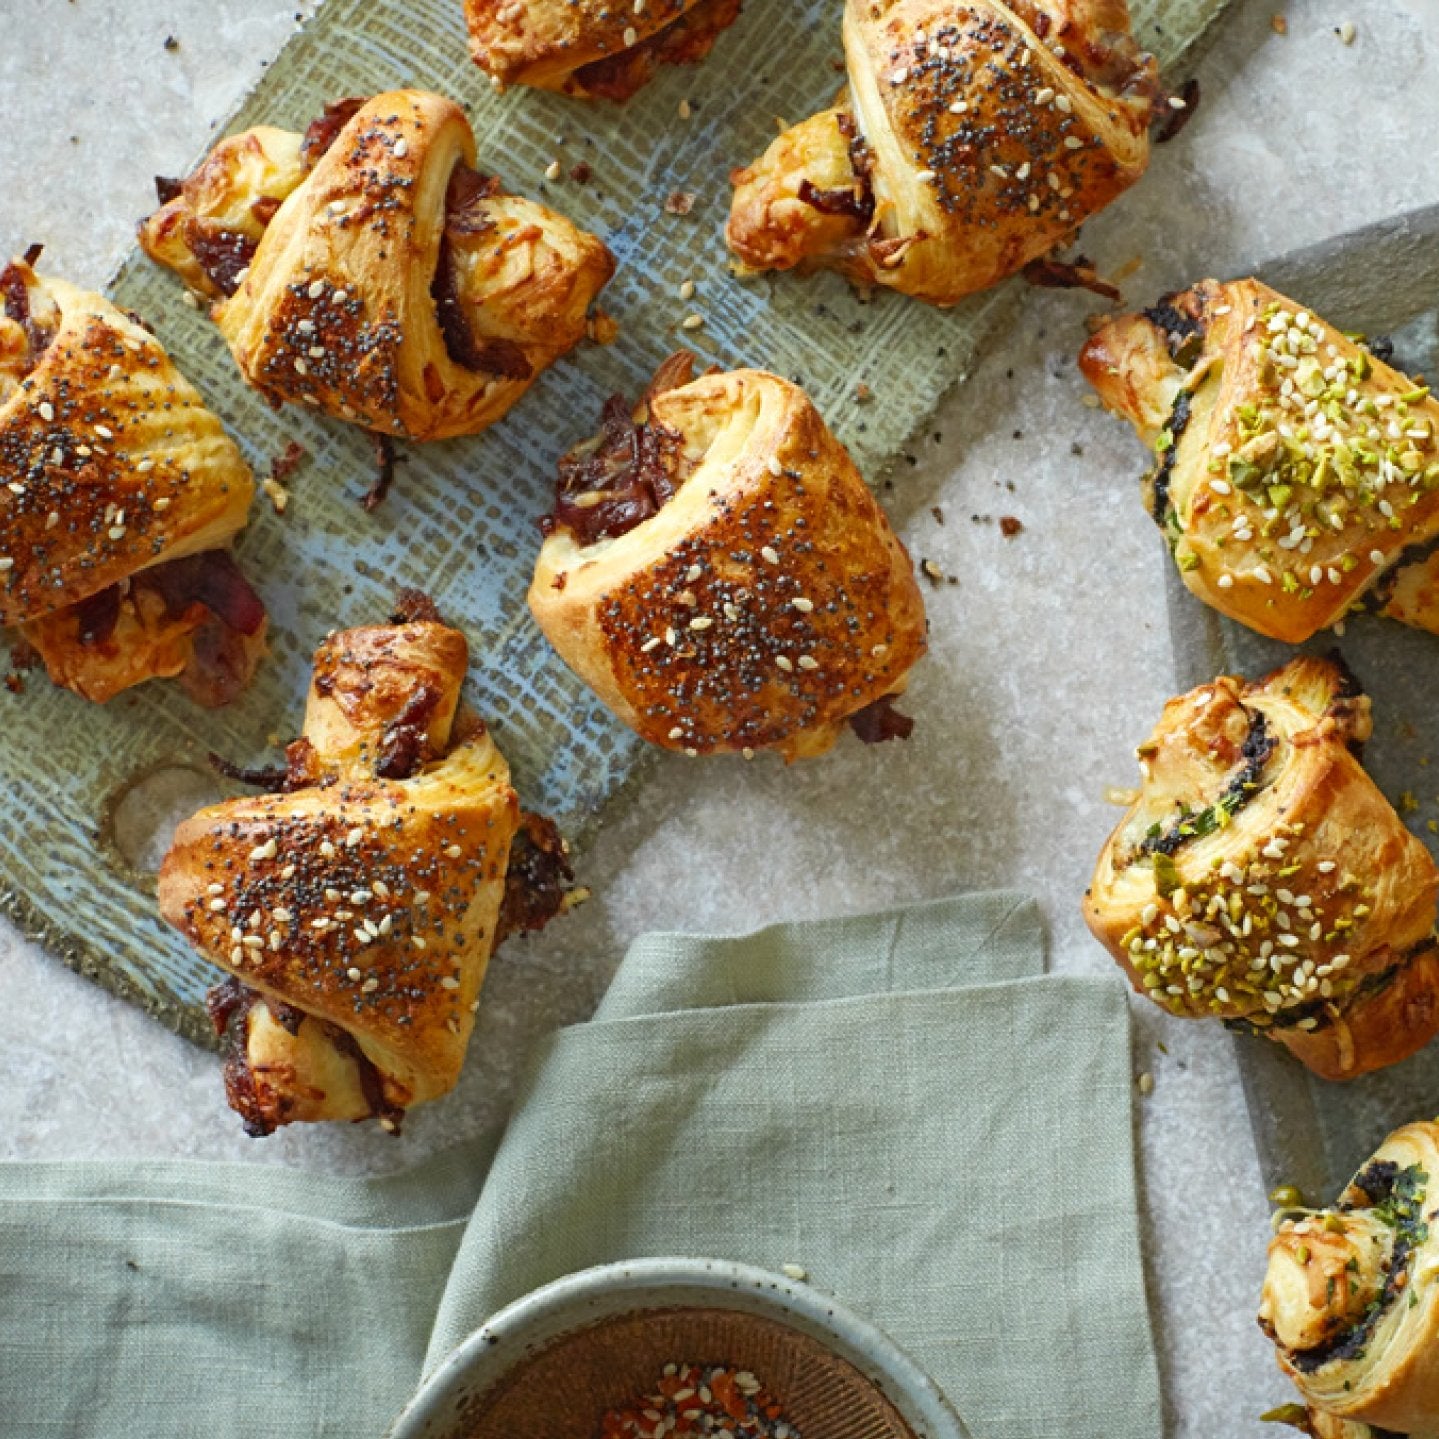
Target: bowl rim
[{"x": 489, "y": 1351}]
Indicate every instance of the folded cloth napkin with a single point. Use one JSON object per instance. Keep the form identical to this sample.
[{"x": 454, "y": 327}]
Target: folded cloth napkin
[{"x": 902, "y": 1103}]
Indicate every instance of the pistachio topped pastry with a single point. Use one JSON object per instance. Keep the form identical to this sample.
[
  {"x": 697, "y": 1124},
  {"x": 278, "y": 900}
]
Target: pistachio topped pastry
[
  {"x": 1296, "y": 475},
  {"x": 1351, "y": 1299},
  {"x": 1261, "y": 876}
]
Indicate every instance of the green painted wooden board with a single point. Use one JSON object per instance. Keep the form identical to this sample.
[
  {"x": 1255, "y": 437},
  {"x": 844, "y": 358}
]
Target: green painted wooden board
[{"x": 460, "y": 522}]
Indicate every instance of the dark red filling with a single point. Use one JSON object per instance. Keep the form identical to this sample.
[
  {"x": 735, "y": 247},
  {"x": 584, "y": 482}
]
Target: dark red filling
[
  {"x": 15, "y": 294},
  {"x": 537, "y": 878},
  {"x": 325, "y": 130},
  {"x": 465, "y": 215},
  {"x": 855, "y": 201},
  {"x": 880, "y": 721},
  {"x": 212, "y": 579},
  {"x": 611, "y": 485}
]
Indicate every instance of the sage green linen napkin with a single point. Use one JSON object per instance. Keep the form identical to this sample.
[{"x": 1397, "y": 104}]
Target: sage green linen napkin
[{"x": 900, "y": 1102}]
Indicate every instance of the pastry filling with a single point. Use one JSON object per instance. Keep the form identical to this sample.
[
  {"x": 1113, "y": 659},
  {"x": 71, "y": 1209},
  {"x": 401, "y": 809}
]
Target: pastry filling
[
  {"x": 857, "y": 202},
  {"x": 211, "y": 579},
  {"x": 466, "y": 219},
  {"x": 880, "y": 721},
  {"x": 628, "y": 473},
  {"x": 1396, "y": 1198},
  {"x": 36, "y": 333},
  {"x": 1242, "y": 786},
  {"x": 686, "y": 41}
]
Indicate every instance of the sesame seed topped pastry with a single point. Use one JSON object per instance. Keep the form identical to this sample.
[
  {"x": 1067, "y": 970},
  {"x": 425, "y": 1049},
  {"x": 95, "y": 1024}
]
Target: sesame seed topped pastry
[
  {"x": 368, "y": 269},
  {"x": 1261, "y": 876},
  {"x": 122, "y": 494},
  {"x": 591, "y": 49},
  {"x": 716, "y": 570},
  {"x": 356, "y": 905},
  {"x": 971, "y": 140},
  {"x": 1296, "y": 475},
  {"x": 1351, "y": 1298}
]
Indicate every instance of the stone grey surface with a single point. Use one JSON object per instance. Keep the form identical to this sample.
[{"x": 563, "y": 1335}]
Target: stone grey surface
[{"x": 1051, "y": 656}]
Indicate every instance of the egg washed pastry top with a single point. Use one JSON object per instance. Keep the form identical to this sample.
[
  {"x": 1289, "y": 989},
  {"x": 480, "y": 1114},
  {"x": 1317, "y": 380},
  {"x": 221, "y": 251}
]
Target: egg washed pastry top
[
  {"x": 121, "y": 494},
  {"x": 972, "y": 139},
  {"x": 1262, "y": 877},
  {"x": 1296, "y": 475},
  {"x": 1351, "y": 1297},
  {"x": 592, "y": 49},
  {"x": 717, "y": 571},
  {"x": 368, "y": 269},
  {"x": 357, "y": 905}
]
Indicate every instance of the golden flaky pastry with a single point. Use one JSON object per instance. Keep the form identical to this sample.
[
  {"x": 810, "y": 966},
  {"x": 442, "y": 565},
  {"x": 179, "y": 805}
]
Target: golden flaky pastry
[
  {"x": 357, "y": 907},
  {"x": 1296, "y": 476},
  {"x": 971, "y": 139},
  {"x": 1262, "y": 877},
  {"x": 716, "y": 570},
  {"x": 1351, "y": 1298},
  {"x": 121, "y": 495},
  {"x": 368, "y": 269},
  {"x": 593, "y": 49}
]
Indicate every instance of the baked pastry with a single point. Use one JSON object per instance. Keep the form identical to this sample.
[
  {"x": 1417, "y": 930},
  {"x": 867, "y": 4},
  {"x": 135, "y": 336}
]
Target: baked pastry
[
  {"x": 1262, "y": 877},
  {"x": 971, "y": 140},
  {"x": 717, "y": 572},
  {"x": 368, "y": 269},
  {"x": 356, "y": 905},
  {"x": 1296, "y": 476},
  {"x": 593, "y": 49},
  {"x": 122, "y": 494},
  {"x": 1351, "y": 1299}
]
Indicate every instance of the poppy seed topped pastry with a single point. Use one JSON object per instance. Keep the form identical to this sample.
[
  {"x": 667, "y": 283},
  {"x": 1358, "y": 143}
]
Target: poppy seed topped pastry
[
  {"x": 368, "y": 269},
  {"x": 357, "y": 904},
  {"x": 1296, "y": 475},
  {"x": 716, "y": 570},
  {"x": 592, "y": 49},
  {"x": 1351, "y": 1297},
  {"x": 1263, "y": 878},
  {"x": 121, "y": 495},
  {"x": 972, "y": 139}
]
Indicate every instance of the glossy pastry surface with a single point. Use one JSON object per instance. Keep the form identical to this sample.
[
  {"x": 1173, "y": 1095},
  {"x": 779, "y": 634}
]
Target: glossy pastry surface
[
  {"x": 717, "y": 571},
  {"x": 1296, "y": 476},
  {"x": 370, "y": 270},
  {"x": 122, "y": 494},
  {"x": 1262, "y": 877},
  {"x": 591, "y": 49},
  {"x": 971, "y": 139},
  {"x": 357, "y": 906},
  {"x": 1351, "y": 1297}
]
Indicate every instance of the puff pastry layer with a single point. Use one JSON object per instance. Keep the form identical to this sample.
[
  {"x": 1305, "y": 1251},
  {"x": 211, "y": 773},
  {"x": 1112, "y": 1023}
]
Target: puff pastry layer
[
  {"x": 972, "y": 138},
  {"x": 357, "y": 907},
  {"x": 1263, "y": 878},
  {"x": 717, "y": 571},
  {"x": 122, "y": 494},
  {"x": 1351, "y": 1297},
  {"x": 591, "y": 49},
  {"x": 369, "y": 270},
  {"x": 1296, "y": 475}
]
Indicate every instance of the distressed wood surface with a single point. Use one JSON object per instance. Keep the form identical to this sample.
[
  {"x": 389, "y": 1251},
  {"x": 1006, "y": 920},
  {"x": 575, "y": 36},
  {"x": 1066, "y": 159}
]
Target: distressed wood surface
[{"x": 460, "y": 521}]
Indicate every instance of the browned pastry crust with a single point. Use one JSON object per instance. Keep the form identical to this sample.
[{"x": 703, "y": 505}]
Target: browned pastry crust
[
  {"x": 392, "y": 285},
  {"x": 122, "y": 494},
  {"x": 360, "y": 905},
  {"x": 1262, "y": 877},
  {"x": 592, "y": 49},
  {"x": 1351, "y": 1302},
  {"x": 1296, "y": 475},
  {"x": 731, "y": 584},
  {"x": 973, "y": 138}
]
